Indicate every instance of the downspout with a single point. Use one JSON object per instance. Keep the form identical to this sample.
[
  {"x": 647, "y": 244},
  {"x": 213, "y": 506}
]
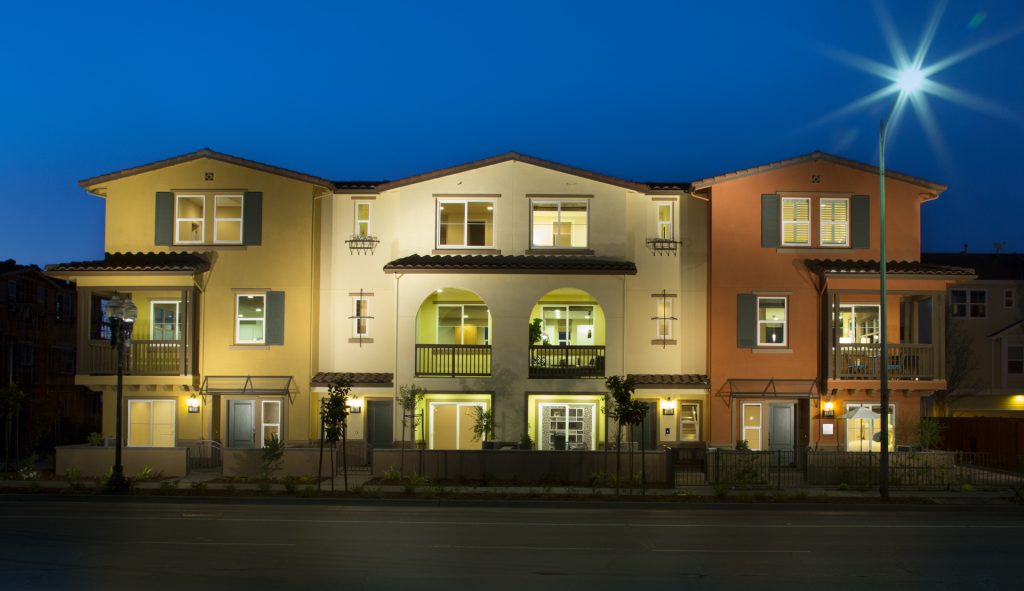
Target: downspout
[
  {"x": 398, "y": 285},
  {"x": 622, "y": 345}
]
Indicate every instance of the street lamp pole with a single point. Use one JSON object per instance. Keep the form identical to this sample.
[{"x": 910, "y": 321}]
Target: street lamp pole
[
  {"x": 883, "y": 378},
  {"x": 121, "y": 316}
]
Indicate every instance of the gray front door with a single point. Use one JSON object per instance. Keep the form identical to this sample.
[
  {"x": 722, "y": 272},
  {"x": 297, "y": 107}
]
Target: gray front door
[
  {"x": 781, "y": 434},
  {"x": 380, "y": 424},
  {"x": 241, "y": 433},
  {"x": 649, "y": 429}
]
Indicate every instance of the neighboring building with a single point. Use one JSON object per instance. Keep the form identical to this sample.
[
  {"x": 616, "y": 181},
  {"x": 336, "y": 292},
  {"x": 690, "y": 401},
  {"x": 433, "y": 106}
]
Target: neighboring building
[
  {"x": 986, "y": 318},
  {"x": 794, "y": 304},
  {"x": 37, "y": 353}
]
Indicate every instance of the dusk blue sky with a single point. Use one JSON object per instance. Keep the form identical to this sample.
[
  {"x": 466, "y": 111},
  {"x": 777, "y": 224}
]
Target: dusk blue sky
[{"x": 648, "y": 91}]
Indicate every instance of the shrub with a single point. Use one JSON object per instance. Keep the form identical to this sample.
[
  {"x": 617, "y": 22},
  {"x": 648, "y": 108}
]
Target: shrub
[
  {"x": 291, "y": 483},
  {"x": 95, "y": 439},
  {"x": 74, "y": 477},
  {"x": 168, "y": 486},
  {"x": 147, "y": 474},
  {"x": 391, "y": 475},
  {"x": 273, "y": 452}
]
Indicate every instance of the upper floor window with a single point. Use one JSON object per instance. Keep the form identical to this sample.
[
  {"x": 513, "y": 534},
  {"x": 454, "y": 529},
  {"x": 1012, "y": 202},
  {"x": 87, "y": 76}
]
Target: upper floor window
[
  {"x": 665, "y": 227},
  {"x": 968, "y": 303},
  {"x": 164, "y": 319},
  {"x": 835, "y": 222},
  {"x": 771, "y": 321},
  {"x": 463, "y": 324},
  {"x": 360, "y": 317},
  {"x": 1015, "y": 359},
  {"x": 251, "y": 316},
  {"x": 796, "y": 221},
  {"x": 12, "y": 291},
  {"x": 663, "y": 318},
  {"x": 227, "y": 219},
  {"x": 465, "y": 224},
  {"x": 361, "y": 229},
  {"x": 189, "y": 219},
  {"x": 558, "y": 223},
  {"x": 1009, "y": 299}
]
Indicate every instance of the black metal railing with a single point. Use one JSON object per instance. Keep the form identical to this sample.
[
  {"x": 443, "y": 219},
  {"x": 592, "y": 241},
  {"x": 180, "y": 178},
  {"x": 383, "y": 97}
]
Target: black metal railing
[
  {"x": 906, "y": 361},
  {"x": 205, "y": 454},
  {"x": 566, "y": 361},
  {"x": 453, "y": 360},
  {"x": 143, "y": 358}
]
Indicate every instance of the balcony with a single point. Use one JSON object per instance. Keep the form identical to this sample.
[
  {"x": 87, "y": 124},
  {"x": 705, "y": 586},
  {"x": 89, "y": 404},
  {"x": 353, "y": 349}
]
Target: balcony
[
  {"x": 144, "y": 358},
  {"x": 566, "y": 361},
  {"x": 451, "y": 361},
  {"x": 906, "y": 361}
]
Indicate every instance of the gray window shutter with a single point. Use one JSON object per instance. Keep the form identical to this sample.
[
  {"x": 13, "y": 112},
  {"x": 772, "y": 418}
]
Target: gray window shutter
[
  {"x": 275, "y": 318},
  {"x": 746, "y": 320},
  {"x": 860, "y": 221},
  {"x": 163, "y": 233},
  {"x": 252, "y": 219},
  {"x": 771, "y": 225}
]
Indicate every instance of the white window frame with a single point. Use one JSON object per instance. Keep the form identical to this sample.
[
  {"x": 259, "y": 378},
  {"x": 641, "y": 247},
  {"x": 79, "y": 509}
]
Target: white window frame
[
  {"x": 659, "y": 224},
  {"x": 239, "y": 219},
  {"x": 785, "y": 321},
  {"x": 356, "y": 221},
  {"x": 177, "y": 318},
  {"x": 697, "y": 418},
  {"x": 356, "y": 317},
  {"x": 1009, "y": 298},
  {"x": 462, "y": 321},
  {"x": 759, "y": 427},
  {"x": 178, "y": 219},
  {"x": 264, "y": 424},
  {"x": 659, "y": 318},
  {"x": 554, "y": 235},
  {"x": 238, "y": 323},
  {"x": 822, "y": 223},
  {"x": 153, "y": 401},
  {"x": 1020, "y": 355},
  {"x": 871, "y": 405},
  {"x": 783, "y": 222},
  {"x": 465, "y": 223},
  {"x": 967, "y": 302},
  {"x": 458, "y": 418}
]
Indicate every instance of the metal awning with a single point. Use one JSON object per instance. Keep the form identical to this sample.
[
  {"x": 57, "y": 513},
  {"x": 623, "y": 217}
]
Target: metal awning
[
  {"x": 255, "y": 385},
  {"x": 773, "y": 388}
]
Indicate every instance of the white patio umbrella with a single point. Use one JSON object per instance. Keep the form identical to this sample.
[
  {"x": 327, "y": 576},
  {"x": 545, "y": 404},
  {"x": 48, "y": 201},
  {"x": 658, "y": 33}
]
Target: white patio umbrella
[{"x": 863, "y": 413}]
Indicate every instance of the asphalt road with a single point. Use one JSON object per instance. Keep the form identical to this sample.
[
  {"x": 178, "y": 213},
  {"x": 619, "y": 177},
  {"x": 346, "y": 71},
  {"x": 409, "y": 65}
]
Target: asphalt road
[{"x": 82, "y": 543}]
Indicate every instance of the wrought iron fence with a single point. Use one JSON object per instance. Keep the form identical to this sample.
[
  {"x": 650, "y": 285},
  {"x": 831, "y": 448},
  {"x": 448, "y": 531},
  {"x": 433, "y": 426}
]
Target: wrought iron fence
[{"x": 453, "y": 360}]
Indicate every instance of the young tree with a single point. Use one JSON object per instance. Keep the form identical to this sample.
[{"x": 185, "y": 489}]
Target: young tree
[
  {"x": 617, "y": 406},
  {"x": 960, "y": 360},
  {"x": 409, "y": 399},
  {"x": 334, "y": 411}
]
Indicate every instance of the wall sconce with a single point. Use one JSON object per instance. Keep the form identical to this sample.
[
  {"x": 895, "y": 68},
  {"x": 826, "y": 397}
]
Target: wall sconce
[
  {"x": 193, "y": 403},
  {"x": 668, "y": 408},
  {"x": 355, "y": 406},
  {"x": 828, "y": 410}
]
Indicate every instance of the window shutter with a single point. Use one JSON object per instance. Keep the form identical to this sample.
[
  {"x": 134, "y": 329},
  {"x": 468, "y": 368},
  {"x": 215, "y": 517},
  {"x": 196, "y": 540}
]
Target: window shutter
[
  {"x": 163, "y": 233},
  {"x": 252, "y": 218},
  {"x": 746, "y": 320},
  {"x": 860, "y": 221},
  {"x": 275, "y": 318},
  {"x": 770, "y": 223}
]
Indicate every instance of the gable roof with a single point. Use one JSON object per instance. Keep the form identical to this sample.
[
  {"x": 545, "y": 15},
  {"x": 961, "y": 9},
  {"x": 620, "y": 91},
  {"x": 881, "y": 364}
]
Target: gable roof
[
  {"x": 814, "y": 157},
  {"x": 987, "y": 265},
  {"x": 1006, "y": 329},
  {"x": 204, "y": 153},
  {"x": 10, "y": 268}
]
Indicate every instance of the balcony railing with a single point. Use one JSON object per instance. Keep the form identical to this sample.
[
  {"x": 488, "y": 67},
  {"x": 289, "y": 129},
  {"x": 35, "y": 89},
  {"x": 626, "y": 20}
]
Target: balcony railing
[
  {"x": 906, "y": 362},
  {"x": 566, "y": 361},
  {"x": 453, "y": 360},
  {"x": 144, "y": 358}
]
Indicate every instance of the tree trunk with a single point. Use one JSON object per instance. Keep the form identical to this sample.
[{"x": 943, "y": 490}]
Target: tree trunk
[
  {"x": 618, "y": 454},
  {"x": 401, "y": 452},
  {"x": 344, "y": 454},
  {"x": 320, "y": 466},
  {"x": 643, "y": 457}
]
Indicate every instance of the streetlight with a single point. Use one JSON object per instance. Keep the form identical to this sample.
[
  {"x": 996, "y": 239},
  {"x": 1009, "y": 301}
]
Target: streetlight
[
  {"x": 121, "y": 315},
  {"x": 908, "y": 81}
]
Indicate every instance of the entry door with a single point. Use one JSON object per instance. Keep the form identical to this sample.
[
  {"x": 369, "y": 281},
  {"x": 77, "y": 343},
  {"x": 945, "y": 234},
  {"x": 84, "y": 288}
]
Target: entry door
[
  {"x": 380, "y": 424},
  {"x": 649, "y": 429},
  {"x": 451, "y": 426},
  {"x": 781, "y": 434},
  {"x": 241, "y": 431}
]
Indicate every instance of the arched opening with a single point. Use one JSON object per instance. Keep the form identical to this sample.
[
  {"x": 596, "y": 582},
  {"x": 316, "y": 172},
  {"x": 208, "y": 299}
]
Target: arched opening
[
  {"x": 567, "y": 335},
  {"x": 453, "y": 335}
]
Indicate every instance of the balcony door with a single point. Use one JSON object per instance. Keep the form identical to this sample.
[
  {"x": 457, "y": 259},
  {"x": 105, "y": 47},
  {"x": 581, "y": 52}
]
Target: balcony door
[
  {"x": 567, "y": 426},
  {"x": 165, "y": 318},
  {"x": 568, "y": 325},
  {"x": 859, "y": 323}
]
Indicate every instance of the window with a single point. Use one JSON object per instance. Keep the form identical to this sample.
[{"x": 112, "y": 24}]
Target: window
[
  {"x": 968, "y": 303},
  {"x": 99, "y": 324},
  {"x": 362, "y": 219},
  {"x": 227, "y": 219},
  {"x": 771, "y": 322},
  {"x": 360, "y": 317},
  {"x": 271, "y": 415},
  {"x": 752, "y": 425},
  {"x": 835, "y": 222},
  {"x": 1008, "y": 298},
  {"x": 559, "y": 224},
  {"x": 796, "y": 221},
  {"x": 1015, "y": 359},
  {"x": 665, "y": 229},
  {"x": 689, "y": 421},
  {"x": 463, "y": 324},
  {"x": 865, "y": 434},
  {"x": 27, "y": 354},
  {"x": 663, "y": 318},
  {"x": 40, "y": 294},
  {"x": 465, "y": 224},
  {"x": 859, "y": 323},
  {"x": 164, "y": 321},
  {"x": 568, "y": 325},
  {"x": 151, "y": 423},
  {"x": 189, "y": 219},
  {"x": 60, "y": 305},
  {"x": 567, "y": 426},
  {"x": 250, "y": 324}
]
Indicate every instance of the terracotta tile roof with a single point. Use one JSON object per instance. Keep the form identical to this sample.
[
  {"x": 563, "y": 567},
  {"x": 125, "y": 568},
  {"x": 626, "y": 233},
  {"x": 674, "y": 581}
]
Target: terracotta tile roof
[
  {"x": 669, "y": 380},
  {"x": 525, "y": 264},
  {"x": 326, "y": 378},
  {"x": 816, "y": 155},
  {"x": 140, "y": 262},
  {"x": 680, "y": 186},
  {"x": 852, "y": 267},
  {"x": 987, "y": 265}
]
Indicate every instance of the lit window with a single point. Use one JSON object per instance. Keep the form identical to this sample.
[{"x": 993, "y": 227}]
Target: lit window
[
  {"x": 663, "y": 318},
  {"x": 796, "y": 221},
  {"x": 151, "y": 423},
  {"x": 362, "y": 219},
  {"x": 559, "y": 224},
  {"x": 665, "y": 230},
  {"x": 835, "y": 222},
  {"x": 771, "y": 322},
  {"x": 360, "y": 317},
  {"x": 968, "y": 303},
  {"x": 465, "y": 224},
  {"x": 250, "y": 322},
  {"x": 227, "y": 219},
  {"x": 271, "y": 413},
  {"x": 689, "y": 421},
  {"x": 190, "y": 218},
  {"x": 1015, "y": 359},
  {"x": 463, "y": 324},
  {"x": 164, "y": 321},
  {"x": 752, "y": 425}
]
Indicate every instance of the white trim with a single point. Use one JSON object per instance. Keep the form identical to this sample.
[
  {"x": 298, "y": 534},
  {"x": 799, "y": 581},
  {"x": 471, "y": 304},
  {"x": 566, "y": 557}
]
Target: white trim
[
  {"x": 554, "y": 235},
  {"x": 663, "y": 316},
  {"x": 356, "y": 221},
  {"x": 441, "y": 202},
  {"x": 759, "y": 427},
  {"x": 178, "y": 219},
  {"x": 264, "y": 424},
  {"x": 670, "y": 224},
  {"x": 153, "y": 402},
  {"x": 785, "y": 321},
  {"x": 1006, "y": 365},
  {"x": 177, "y": 318},
  {"x": 822, "y": 223},
  {"x": 263, "y": 321},
  {"x": 241, "y": 216},
  {"x": 783, "y": 221}
]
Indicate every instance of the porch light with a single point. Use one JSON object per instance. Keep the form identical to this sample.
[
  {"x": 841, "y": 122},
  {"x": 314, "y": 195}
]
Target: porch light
[
  {"x": 668, "y": 408},
  {"x": 828, "y": 410},
  {"x": 193, "y": 403},
  {"x": 355, "y": 406}
]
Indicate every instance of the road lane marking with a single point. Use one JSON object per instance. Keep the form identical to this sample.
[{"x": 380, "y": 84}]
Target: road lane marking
[
  {"x": 536, "y": 548},
  {"x": 689, "y": 551},
  {"x": 217, "y": 544}
]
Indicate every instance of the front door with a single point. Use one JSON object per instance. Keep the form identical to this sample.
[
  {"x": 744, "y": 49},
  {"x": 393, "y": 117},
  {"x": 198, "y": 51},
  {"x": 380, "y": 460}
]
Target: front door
[
  {"x": 241, "y": 432},
  {"x": 380, "y": 424},
  {"x": 649, "y": 429},
  {"x": 781, "y": 434}
]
